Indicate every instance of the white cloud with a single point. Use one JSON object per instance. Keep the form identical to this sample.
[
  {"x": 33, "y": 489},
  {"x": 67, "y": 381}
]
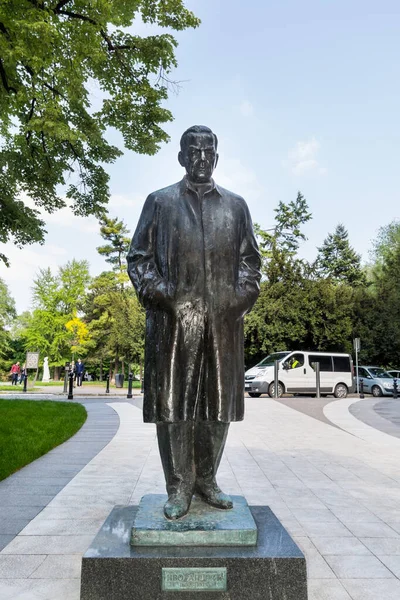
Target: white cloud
[
  {"x": 66, "y": 218},
  {"x": 232, "y": 174},
  {"x": 246, "y": 108},
  {"x": 303, "y": 158},
  {"x": 122, "y": 201}
]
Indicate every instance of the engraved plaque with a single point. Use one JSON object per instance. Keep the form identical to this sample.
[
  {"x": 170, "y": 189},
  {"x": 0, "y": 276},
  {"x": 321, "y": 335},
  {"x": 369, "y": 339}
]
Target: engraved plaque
[
  {"x": 32, "y": 360},
  {"x": 194, "y": 579}
]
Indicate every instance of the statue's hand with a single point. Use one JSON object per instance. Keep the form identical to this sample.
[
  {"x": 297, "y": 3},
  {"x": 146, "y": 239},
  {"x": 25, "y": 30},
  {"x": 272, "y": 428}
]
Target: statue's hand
[
  {"x": 160, "y": 294},
  {"x": 245, "y": 296}
]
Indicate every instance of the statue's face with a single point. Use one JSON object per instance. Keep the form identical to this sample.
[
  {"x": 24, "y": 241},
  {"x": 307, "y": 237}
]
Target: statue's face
[{"x": 199, "y": 157}]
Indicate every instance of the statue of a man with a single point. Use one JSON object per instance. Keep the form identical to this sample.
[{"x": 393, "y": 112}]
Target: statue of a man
[{"x": 195, "y": 265}]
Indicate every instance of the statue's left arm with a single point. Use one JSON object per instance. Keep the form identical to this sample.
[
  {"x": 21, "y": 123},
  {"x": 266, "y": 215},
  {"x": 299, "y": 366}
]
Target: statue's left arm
[{"x": 249, "y": 265}]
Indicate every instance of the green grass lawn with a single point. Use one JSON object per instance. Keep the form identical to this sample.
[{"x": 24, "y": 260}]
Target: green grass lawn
[{"x": 30, "y": 429}]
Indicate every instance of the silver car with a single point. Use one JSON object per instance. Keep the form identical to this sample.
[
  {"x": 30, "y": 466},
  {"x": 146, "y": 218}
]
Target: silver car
[
  {"x": 376, "y": 380},
  {"x": 395, "y": 374}
]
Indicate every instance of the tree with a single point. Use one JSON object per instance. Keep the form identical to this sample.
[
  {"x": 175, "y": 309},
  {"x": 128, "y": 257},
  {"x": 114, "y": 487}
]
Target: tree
[
  {"x": 115, "y": 322},
  {"x": 338, "y": 261},
  {"x": 115, "y": 233},
  {"x": 385, "y": 323},
  {"x": 52, "y": 53},
  {"x": 7, "y": 315},
  {"x": 277, "y": 321},
  {"x": 54, "y": 328},
  {"x": 279, "y": 249}
]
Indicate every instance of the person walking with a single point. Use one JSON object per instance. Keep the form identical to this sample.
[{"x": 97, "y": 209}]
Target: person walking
[
  {"x": 23, "y": 374},
  {"x": 15, "y": 371},
  {"x": 79, "y": 371}
]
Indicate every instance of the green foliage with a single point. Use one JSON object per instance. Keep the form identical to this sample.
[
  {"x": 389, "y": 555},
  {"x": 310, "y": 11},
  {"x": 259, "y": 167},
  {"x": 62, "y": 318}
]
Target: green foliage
[
  {"x": 114, "y": 232},
  {"x": 29, "y": 430},
  {"x": 115, "y": 319},
  {"x": 386, "y": 310},
  {"x": 279, "y": 248},
  {"x": 296, "y": 309},
  {"x": 56, "y": 299},
  {"x": 338, "y": 261},
  {"x": 7, "y": 315},
  {"x": 53, "y": 53}
]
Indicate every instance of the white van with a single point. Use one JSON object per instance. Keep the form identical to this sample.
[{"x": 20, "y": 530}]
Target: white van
[{"x": 297, "y": 374}]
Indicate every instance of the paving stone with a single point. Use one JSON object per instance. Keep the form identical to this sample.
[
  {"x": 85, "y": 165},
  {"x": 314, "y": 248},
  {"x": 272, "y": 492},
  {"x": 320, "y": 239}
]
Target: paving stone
[
  {"x": 5, "y": 540},
  {"x": 346, "y": 546},
  {"x": 59, "y": 567},
  {"x": 16, "y": 567},
  {"x": 382, "y": 546},
  {"x": 13, "y": 526},
  {"x": 326, "y": 589},
  {"x": 48, "y": 544},
  {"x": 370, "y": 589},
  {"x": 352, "y": 567},
  {"x": 377, "y": 530}
]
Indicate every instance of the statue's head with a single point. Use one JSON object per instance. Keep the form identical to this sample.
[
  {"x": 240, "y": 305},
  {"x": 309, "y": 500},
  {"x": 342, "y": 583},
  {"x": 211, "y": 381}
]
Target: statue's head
[{"x": 198, "y": 153}]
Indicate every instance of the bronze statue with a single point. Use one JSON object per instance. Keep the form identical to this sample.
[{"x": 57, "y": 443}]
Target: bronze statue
[{"x": 195, "y": 265}]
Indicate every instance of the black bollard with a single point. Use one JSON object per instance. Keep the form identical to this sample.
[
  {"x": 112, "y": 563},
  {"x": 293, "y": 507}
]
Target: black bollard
[
  {"x": 25, "y": 380},
  {"x": 66, "y": 377},
  {"x": 361, "y": 387},
  {"x": 130, "y": 379},
  {"x": 71, "y": 386},
  {"x": 108, "y": 384},
  {"x": 395, "y": 389}
]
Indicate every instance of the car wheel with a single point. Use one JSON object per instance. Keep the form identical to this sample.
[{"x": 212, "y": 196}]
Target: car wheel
[
  {"x": 340, "y": 391},
  {"x": 271, "y": 390},
  {"x": 376, "y": 391},
  {"x": 254, "y": 395}
]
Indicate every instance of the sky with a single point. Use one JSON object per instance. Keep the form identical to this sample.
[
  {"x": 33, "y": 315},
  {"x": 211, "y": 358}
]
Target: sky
[{"x": 303, "y": 96}]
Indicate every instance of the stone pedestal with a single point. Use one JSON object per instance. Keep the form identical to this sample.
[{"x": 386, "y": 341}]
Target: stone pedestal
[
  {"x": 202, "y": 526},
  {"x": 112, "y": 569}
]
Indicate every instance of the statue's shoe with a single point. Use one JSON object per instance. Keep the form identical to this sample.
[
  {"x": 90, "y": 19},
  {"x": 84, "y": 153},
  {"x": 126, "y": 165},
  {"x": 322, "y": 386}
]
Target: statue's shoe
[
  {"x": 214, "y": 496},
  {"x": 177, "y": 506}
]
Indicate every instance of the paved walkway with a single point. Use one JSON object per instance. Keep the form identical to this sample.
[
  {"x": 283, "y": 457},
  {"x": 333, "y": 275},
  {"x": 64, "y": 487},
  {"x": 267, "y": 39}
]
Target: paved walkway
[
  {"x": 335, "y": 488},
  {"x": 24, "y": 494}
]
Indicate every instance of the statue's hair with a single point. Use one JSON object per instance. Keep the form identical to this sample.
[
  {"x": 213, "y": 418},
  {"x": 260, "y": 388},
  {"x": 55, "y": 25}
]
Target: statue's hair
[{"x": 197, "y": 129}]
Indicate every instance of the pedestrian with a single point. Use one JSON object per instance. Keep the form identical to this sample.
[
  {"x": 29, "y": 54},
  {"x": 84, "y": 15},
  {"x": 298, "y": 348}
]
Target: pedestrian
[
  {"x": 15, "y": 371},
  {"x": 79, "y": 371},
  {"x": 23, "y": 374}
]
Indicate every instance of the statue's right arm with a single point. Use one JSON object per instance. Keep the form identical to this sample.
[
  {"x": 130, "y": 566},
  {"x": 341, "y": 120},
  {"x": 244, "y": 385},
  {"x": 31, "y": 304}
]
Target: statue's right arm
[{"x": 152, "y": 289}]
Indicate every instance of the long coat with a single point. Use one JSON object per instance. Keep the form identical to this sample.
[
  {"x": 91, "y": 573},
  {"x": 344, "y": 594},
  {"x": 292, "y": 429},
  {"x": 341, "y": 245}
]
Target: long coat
[{"x": 196, "y": 268}]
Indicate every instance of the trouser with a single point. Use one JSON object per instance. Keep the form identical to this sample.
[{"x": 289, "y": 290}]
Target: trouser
[
  {"x": 190, "y": 453},
  {"x": 14, "y": 379}
]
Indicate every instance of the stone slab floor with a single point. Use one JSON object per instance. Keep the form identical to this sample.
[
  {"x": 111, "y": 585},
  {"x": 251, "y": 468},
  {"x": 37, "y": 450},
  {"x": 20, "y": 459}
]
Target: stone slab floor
[{"x": 335, "y": 488}]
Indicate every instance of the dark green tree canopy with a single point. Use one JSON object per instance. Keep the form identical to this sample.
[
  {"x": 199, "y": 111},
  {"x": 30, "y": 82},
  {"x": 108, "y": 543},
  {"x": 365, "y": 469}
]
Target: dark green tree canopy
[
  {"x": 52, "y": 53},
  {"x": 279, "y": 245},
  {"x": 115, "y": 233},
  {"x": 338, "y": 261}
]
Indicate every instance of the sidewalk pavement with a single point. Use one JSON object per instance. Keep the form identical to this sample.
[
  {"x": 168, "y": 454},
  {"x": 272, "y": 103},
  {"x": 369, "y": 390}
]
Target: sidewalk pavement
[
  {"x": 335, "y": 488},
  {"x": 81, "y": 392}
]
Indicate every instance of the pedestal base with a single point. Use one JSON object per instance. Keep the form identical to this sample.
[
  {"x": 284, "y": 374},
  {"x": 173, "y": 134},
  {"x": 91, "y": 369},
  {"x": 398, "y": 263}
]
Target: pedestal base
[
  {"x": 202, "y": 526},
  {"x": 275, "y": 569}
]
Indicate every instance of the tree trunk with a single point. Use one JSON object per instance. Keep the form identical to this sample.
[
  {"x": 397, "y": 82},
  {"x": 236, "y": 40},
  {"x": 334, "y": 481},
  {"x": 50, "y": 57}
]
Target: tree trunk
[
  {"x": 116, "y": 366},
  {"x": 101, "y": 370},
  {"x": 56, "y": 374},
  {"x": 123, "y": 367}
]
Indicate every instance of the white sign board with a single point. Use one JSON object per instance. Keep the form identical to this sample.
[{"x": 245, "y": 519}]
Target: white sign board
[{"x": 32, "y": 360}]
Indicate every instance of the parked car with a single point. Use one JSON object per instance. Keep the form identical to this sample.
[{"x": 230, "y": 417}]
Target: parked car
[
  {"x": 297, "y": 374},
  {"x": 395, "y": 373},
  {"x": 376, "y": 380}
]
